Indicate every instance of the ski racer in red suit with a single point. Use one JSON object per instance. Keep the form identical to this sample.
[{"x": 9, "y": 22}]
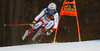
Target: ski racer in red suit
[{"x": 48, "y": 18}]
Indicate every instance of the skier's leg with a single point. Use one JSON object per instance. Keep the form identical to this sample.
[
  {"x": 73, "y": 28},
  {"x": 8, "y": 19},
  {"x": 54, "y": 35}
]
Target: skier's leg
[
  {"x": 27, "y": 32},
  {"x": 43, "y": 30},
  {"x": 44, "y": 22},
  {"x": 49, "y": 25},
  {"x": 31, "y": 30},
  {"x": 37, "y": 25}
]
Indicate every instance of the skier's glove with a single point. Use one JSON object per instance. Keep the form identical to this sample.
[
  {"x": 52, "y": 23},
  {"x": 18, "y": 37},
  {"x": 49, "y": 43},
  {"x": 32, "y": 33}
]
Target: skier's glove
[
  {"x": 33, "y": 24},
  {"x": 49, "y": 32}
]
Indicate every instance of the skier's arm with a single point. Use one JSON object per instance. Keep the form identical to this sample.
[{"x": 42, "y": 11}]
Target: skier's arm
[
  {"x": 56, "y": 17},
  {"x": 39, "y": 16}
]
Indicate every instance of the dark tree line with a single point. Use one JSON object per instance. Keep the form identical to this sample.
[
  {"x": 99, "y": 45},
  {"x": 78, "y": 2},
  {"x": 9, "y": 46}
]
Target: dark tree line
[{"x": 16, "y": 12}]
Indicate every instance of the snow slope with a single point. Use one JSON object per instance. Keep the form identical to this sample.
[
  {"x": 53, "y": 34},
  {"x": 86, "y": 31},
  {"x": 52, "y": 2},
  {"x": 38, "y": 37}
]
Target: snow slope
[{"x": 68, "y": 46}]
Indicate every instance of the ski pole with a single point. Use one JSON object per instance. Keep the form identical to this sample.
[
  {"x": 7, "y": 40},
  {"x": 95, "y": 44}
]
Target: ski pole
[
  {"x": 15, "y": 24},
  {"x": 42, "y": 36}
]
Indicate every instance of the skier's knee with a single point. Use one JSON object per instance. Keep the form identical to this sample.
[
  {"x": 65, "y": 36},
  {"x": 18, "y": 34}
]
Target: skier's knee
[{"x": 49, "y": 25}]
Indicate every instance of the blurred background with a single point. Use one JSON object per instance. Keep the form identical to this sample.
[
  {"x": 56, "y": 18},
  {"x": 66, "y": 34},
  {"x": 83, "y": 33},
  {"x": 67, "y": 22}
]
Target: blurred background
[{"x": 24, "y": 11}]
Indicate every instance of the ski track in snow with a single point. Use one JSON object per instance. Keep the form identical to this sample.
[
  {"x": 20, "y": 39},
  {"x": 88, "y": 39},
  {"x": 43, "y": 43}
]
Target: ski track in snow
[{"x": 66, "y": 46}]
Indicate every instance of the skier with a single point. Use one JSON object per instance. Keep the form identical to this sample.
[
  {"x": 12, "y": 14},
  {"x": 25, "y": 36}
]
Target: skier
[{"x": 48, "y": 18}]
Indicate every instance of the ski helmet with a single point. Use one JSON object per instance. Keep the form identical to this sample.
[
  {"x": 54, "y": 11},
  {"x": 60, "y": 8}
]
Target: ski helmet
[{"x": 52, "y": 6}]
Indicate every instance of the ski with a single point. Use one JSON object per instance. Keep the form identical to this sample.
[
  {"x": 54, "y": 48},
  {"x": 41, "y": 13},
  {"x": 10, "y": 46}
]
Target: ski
[
  {"x": 26, "y": 34},
  {"x": 38, "y": 32}
]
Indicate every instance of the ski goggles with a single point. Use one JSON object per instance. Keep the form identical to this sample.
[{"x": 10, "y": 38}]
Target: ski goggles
[{"x": 51, "y": 10}]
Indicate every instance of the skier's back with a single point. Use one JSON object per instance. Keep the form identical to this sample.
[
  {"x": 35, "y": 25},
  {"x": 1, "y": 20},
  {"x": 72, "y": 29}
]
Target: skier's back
[{"x": 48, "y": 18}]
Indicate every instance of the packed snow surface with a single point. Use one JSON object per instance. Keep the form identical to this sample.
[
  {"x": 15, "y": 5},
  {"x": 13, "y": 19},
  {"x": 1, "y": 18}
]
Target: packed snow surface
[{"x": 93, "y": 45}]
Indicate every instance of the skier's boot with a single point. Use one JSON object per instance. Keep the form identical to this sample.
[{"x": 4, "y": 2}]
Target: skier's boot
[
  {"x": 26, "y": 34},
  {"x": 43, "y": 30}
]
